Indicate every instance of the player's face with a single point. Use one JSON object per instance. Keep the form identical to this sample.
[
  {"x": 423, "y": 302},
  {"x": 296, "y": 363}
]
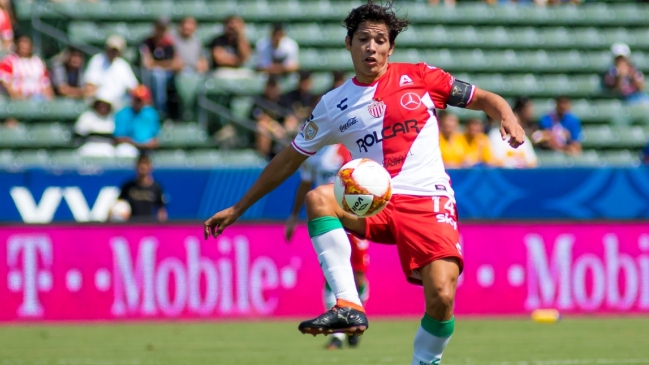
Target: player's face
[{"x": 370, "y": 48}]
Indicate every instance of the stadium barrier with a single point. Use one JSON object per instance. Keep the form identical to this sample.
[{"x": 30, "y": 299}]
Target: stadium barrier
[
  {"x": 41, "y": 196},
  {"x": 149, "y": 272}
]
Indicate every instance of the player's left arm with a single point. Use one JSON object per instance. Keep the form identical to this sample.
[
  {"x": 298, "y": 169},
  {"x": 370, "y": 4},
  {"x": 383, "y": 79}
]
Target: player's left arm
[{"x": 497, "y": 108}]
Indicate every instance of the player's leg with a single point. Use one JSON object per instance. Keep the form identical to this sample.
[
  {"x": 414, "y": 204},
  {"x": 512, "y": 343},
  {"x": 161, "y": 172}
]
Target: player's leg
[
  {"x": 325, "y": 224},
  {"x": 440, "y": 280},
  {"x": 335, "y": 341},
  {"x": 360, "y": 262}
]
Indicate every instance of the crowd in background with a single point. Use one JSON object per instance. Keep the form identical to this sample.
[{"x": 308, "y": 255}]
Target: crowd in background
[{"x": 125, "y": 112}]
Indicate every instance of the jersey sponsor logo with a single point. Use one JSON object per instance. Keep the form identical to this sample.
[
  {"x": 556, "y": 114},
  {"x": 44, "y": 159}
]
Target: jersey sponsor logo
[
  {"x": 376, "y": 108},
  {"x": 350, "y": 122},
  {"x": 405, "y": 80},
  {"x": 310, "y": 131},
  {"x": 342, "y": 105},
  {"x": 386, "y": 133},
  {"x": 396, "y": 160},
  {"x": 446, "y": 218},
  {"x": 410, "y": 101}
]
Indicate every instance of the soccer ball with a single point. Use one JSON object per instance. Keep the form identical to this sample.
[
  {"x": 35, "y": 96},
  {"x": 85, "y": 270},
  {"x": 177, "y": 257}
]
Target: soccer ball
[
  {"x": 120, "y": 212},
  {"x": 363, "y": 187}
]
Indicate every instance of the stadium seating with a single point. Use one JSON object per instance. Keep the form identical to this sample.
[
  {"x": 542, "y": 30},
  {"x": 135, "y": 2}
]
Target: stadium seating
[{"x": 511, "y": 50}]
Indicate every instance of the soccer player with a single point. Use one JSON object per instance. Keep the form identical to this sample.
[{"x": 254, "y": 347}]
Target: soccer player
[
  {"x": 320, "y": 169},
  {"x": 394, "y": 107}
]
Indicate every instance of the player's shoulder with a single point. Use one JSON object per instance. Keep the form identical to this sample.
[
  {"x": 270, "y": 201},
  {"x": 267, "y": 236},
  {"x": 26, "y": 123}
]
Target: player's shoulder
[
  {"x": 412, "y": 67},
  {"x": 334, "y": 96}
]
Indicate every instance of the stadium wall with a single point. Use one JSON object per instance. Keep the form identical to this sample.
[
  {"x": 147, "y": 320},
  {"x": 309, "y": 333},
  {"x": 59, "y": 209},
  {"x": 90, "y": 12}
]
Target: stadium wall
[
  {"x": 150, "y": 272},
  {"x": 41, "y": 196}
]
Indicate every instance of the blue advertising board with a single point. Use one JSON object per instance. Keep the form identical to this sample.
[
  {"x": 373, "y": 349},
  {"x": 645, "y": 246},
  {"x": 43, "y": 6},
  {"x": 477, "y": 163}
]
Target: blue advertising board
[{"x": 40, "y": 196}]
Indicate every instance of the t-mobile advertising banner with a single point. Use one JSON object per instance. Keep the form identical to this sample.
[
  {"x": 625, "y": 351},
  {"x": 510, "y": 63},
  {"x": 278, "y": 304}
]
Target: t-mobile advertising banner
[{"x": 149, "y": 272}]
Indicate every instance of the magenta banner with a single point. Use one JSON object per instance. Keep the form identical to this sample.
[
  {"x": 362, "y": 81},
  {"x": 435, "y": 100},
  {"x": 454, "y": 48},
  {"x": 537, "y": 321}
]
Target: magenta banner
[{"x": 148, "y": 272}]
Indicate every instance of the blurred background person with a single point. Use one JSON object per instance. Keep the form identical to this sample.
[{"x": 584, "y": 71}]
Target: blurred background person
[
  {"x": 478, "y": 148},
  {"x": 189, "y": 47},
  {"x": 6, "y": 29},
  {"x": 623, "y": 78},
  {"x": 24, "y": 75},
  {"x": 109, "y": 75},
  {"x": 524, "y": 110},
  {"x": 144, "y": 194},
  {"x": 94, "y": 130},
  {"x": 67, "y": 73},
  {"x": 451, "y": 142},
  {"x": 269, "y": 116},
  {"x": 299, "y": 103},
  {"x": 160, "y": 62},
  {"x": 504, "y": 154},
  {"x": 278, "y": 54},
  {"x": 231, "y": 49},
  {"x": 560, "y": 130},
  {"x": 137, "y": 126}
]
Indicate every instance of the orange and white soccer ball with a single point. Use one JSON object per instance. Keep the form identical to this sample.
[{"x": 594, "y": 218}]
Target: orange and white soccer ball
[{"x": 363, "y": 187}]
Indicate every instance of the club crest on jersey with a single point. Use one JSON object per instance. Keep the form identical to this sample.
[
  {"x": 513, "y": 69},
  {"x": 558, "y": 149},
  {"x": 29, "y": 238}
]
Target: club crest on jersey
[
  {"x": 310, "y": 131},
  {"x": 376, "y": 108},
  {"x": 410, "y": 101}
]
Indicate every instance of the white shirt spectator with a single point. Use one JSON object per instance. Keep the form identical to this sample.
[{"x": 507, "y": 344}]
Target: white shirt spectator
[
  {"x": 286, "y": 53},
  {"x": 113, "y": 80},
  {"x": 509, "y": 157}
]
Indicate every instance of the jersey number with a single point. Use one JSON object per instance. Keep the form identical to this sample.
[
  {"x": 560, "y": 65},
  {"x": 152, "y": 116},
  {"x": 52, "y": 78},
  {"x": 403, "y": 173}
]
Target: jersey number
[{"x": 449, "y": 206}]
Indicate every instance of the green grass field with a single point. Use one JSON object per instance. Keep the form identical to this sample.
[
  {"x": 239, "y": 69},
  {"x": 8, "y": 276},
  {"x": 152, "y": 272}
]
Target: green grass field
[{"x": 475, "y": 342}]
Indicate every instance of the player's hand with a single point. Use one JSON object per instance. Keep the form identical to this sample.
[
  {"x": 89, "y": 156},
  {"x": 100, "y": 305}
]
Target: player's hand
[
  {"x": 215, "y": 225},
  {"x": 510, "y": 127},
  {"x": 290, "y": 228}
]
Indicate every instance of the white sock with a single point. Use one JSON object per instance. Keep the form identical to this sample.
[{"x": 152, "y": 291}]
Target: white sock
[
  {"x": 428, "y": 347},
  {"x": 329, "y": 297},
  {"x": 334, "y": 252}
]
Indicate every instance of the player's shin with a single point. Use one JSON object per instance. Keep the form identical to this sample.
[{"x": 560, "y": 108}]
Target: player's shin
[
  {"x": 333, "y": 249},
  {"x": 431, "y": 339}
]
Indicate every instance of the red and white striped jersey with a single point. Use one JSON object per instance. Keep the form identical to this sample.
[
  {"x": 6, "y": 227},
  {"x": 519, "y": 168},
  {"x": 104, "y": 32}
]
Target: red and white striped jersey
[
  {"x": 391, "y": 121},
  {"x": 27, "y": 75},
  {"x": 322, "y": 167}
]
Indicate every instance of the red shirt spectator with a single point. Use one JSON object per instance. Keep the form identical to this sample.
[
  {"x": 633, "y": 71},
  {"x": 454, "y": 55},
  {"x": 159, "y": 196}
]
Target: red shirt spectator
[
  {"x": 6, "y": 29},
  {"x": 24, "y": 75}
]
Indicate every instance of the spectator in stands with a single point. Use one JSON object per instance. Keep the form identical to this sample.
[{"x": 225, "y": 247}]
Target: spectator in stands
[
  {"x": 624, "y": 78},
  {"x": 451, "y": 142},
  {"x": 189, "y": 47},
  {"x": 446, "y": 2},
  {"x": 109, "y": 75},
  {"x": 94, "y": 129},
  {"x": 232, "y": 48},
  {"x": 299, "y": 102},
  {"x": 269, "y": 116},
  {"x": 137, "y": 126},
  {"x": 524, "y": 111},
  {"x": 160, "y": 62},
  {"x": 507, "y": 156},
  {"x": 67, "y": 73},
  {"x": 338, "y": 78},
  {"x": 24, "y": 75},
  {"x": 278, "y": 54},
  {"x": 144, "y": 194},
  {"x": 478, "y": 148},
  {"x": 6, "y": 29},
  {"x": 560, "y": 130}
]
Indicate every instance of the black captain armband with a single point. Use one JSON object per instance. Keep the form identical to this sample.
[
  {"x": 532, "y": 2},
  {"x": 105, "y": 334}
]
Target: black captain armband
[{"x": 461, "y": 93}]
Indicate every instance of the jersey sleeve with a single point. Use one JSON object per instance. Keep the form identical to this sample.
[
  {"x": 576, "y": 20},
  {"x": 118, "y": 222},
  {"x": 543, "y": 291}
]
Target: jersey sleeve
[
  {"x": 444, "y": 89},
  {"x": 315, "y": 133}
]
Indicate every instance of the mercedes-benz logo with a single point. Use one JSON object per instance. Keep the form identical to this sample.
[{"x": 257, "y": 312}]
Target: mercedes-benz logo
[{"x": 410, "y": 101}]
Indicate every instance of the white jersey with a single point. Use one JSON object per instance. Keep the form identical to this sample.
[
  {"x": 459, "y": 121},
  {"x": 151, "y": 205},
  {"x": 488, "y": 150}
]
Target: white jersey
[
  {"x": 322, "y": 167},
  {"x": 391, "y": 121}
]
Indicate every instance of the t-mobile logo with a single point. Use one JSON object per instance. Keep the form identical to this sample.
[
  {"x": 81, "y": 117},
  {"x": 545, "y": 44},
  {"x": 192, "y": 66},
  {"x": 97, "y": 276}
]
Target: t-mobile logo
[{"x": 30, "y": 275}]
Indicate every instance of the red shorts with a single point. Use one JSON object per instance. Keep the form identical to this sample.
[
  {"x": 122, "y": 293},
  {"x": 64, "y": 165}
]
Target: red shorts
[
  {"x": 360, "y": 257},
  {"x": 424, "y": 228}
]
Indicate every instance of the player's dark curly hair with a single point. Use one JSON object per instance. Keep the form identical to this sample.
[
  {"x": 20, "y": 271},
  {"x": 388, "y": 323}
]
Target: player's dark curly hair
[{"x": 376, "y": 13}]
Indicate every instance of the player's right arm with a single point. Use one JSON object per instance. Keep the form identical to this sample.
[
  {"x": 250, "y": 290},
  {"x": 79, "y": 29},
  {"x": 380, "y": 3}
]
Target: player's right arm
[{"x": 314, "y": 135}]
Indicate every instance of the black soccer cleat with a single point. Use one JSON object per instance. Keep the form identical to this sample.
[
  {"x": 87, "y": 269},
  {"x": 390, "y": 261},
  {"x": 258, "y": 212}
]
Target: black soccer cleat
[
  {"x": 352, "y": 340},
  {"x": 336, "y": 320}
]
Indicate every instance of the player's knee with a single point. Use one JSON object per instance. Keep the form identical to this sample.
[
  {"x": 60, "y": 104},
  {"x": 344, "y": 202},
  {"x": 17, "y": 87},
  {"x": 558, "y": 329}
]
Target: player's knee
[
  {"x": 441, "y": 299},
  {"x": 318, "y": 201}
]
